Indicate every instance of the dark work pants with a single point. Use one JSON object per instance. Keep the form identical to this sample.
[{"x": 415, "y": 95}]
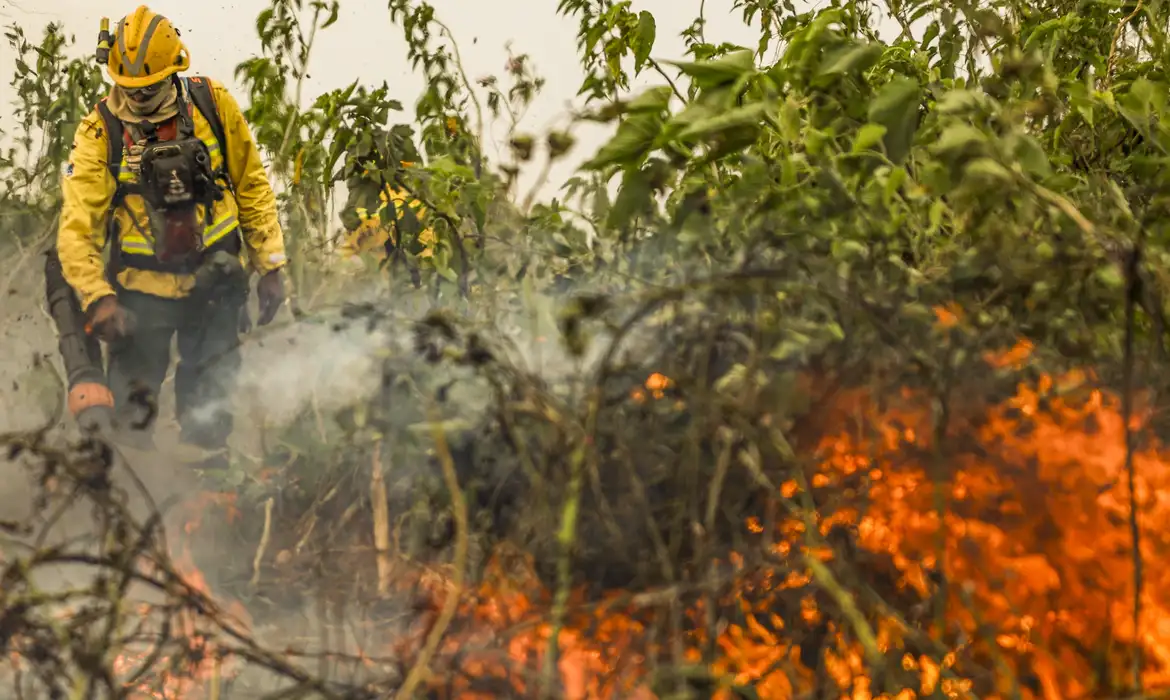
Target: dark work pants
[{"x": 209, "y": 363}]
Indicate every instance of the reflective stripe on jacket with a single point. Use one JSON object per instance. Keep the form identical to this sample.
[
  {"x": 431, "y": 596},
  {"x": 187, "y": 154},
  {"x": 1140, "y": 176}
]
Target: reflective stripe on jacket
[
  {"x": 88, "y": 189},
  {"x": 137, "y": 248}
]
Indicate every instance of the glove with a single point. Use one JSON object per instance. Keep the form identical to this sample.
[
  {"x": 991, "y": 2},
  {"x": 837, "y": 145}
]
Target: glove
[
  {"x": 108, "y": 320},
  {"x": 270, "y": 293}
]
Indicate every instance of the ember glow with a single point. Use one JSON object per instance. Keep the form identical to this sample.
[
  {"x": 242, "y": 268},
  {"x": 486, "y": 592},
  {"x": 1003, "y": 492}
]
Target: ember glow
[
  {"x": 194, "y": 667},
  {"x": 1022, "y": 551},
  {"x": 1034, "y": 543}
]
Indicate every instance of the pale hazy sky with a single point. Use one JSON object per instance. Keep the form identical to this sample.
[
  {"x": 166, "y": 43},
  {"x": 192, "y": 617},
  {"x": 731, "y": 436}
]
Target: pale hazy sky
[{"x": 364, "y": 45}]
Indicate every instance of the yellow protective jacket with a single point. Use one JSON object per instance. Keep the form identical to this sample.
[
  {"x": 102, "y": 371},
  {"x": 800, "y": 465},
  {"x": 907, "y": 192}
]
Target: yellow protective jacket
[
  {"x": 370, "y": 236},
  {"x": 88, "y": 188}
]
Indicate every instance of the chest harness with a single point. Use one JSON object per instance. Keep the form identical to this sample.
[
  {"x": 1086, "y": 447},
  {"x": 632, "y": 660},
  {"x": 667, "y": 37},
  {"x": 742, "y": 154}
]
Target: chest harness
[{"x": 175, "y": 177}]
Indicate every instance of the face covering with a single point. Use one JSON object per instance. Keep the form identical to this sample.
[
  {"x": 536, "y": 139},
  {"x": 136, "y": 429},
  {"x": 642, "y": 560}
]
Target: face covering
[
  {"x": 136, "y": 106},
  {"x": 132, "y": 106}
]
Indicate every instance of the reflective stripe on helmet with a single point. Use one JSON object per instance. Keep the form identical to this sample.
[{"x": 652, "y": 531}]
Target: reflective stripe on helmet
[{"x": 135, "y": 69}]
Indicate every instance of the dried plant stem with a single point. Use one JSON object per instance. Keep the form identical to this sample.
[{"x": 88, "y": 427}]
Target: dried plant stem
[
  {"x": 466, "y": 84},
  {"x": 462, "y": 540},
  {"x": 379, "y": 503},
  {"x": 215, "y": 670},
  {"x": 824, "y": 577},
  {"x": 714, "y": 493},
  {"x": 1133, "y": 290},
  {"x": 1111, "y": 66},
  {"x": 541, "y": 180},
  {"x": 1064, "y": 205},
  {"x": 844, "y": 599},
  {"x": 263, "y": 546},
  {"x": 566, "y": 539}
]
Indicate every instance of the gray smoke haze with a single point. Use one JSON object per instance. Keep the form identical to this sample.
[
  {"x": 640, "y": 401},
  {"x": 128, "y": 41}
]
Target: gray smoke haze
[
  {"x": 320, "y": 362},
  {"x": 326, "y": 361}
]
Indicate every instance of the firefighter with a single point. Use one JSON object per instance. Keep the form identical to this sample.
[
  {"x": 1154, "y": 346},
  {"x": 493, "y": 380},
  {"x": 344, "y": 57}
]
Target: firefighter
[
  {"x": 167, "y": 210},
  {"x": 368, "y": 235}
]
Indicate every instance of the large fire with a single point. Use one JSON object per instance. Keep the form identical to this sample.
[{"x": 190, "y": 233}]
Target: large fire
[
  {"x": 1017, "y": 543},
  {"x": 1025, "y": 550}
]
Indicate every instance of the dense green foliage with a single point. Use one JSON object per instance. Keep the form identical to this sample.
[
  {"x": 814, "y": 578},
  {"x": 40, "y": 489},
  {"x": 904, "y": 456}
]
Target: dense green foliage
[{"x": 796, "y": 208}]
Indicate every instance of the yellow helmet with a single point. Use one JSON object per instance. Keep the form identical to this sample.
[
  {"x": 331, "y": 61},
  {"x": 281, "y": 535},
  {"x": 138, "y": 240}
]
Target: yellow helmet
[{"x": 146, "y": 50}]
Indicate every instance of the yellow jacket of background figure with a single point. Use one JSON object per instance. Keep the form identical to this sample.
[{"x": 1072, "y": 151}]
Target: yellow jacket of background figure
[
  {"x": 371, "y": 235},
  {"x": 88, "y": 188}
]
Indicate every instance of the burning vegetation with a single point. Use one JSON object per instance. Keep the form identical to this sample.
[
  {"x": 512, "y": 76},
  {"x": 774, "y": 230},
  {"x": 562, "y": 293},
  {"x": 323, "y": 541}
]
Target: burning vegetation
[
  {"x": 855, "y": 390},
  {"x": 867, "y": 549}
]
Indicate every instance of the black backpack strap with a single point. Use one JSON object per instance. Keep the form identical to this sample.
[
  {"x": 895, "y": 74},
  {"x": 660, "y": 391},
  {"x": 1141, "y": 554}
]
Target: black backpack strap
[
  {"x": 199, "y": 92},
  {"x": 115, "y": 133}
]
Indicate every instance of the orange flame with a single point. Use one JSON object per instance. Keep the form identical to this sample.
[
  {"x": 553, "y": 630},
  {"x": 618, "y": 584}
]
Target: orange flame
[
  {"x": 1023, "y": 533},
  {"x": 1034, "y": 544}
]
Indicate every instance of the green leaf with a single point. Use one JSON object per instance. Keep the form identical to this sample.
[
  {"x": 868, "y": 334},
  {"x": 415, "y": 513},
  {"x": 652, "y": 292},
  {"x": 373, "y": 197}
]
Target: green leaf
[
  {"x": 930, "y": 34},
  {"x": 937, "y": 210},
  {"x": 851, "y": 59},
  {"x": 696, "y": 200},
  {"x": 748, "y": 115},
  {"x": 1144, "y": 93},
  {"x": 644, "y": 42},
  {"x": 1085, "y": 109},
  {"x": 1110, "y": 276},
  {"x": 633, "y": 197},
  {"x": 1144, "y": 102},
  {"x": 894, "y": 182},
  {"x": 634, "y": 137},
  {"x": 334, "y": 9},
  {"x": 721, "y": 71},
  {"x": 733, "y": 379},
  {"x": 263, "y": 19},
  {"x": 957, "y": 102},
  {"x": 958, "y": 138},
  {"x": 867, "y": 137},
  {"x": 791, "y": 348},
  {"x": 896, "y": 108},
  {"x": 730, "y": 141},
  {"x": 409, "y": 228},
  {"x": 790, "y": 119},
  {"x": 656, "y": 99},
  {"x": 845, "y": 249},
  {"x": 1031, "y": 155},
  {"x": 690, "y": 115},
  {"x": 987, "y": 169}
]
